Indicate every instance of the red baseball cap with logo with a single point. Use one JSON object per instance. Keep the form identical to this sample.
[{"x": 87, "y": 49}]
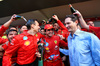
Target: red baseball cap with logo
[{"x": 48, "y": 26}]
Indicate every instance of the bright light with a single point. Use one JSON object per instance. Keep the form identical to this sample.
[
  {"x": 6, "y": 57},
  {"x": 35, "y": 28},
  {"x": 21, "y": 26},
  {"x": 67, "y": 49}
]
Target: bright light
[{"x": 1, "y": 0}]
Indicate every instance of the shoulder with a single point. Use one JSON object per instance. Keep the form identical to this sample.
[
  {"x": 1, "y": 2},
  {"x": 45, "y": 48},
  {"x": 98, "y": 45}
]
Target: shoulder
[
  {"x": 93, "y": 27},
  {"x": 19, "y": 36},
  {"x": 87, "y": 35}
]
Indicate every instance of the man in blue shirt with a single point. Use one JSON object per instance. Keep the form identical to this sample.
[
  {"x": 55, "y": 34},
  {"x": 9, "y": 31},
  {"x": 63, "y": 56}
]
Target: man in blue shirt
[{"x": 84, "y": 47}]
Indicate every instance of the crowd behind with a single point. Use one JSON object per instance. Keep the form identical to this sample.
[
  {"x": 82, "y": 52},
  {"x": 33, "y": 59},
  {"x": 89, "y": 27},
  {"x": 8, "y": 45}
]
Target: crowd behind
[{"x": 65, "y": 44}]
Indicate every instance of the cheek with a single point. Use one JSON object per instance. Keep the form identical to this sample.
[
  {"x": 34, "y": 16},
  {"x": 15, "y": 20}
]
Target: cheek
[
  {"x": 47, "y": 32},
  {"x": 9, "y": 37},
  {"x": 66, "y": 25}
]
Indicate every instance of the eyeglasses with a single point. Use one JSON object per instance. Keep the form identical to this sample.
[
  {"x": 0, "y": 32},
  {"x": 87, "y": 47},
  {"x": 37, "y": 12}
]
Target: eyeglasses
[{"x": 50, "y": 29}]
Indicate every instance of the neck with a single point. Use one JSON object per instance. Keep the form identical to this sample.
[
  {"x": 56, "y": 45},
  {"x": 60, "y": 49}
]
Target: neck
[
  {"x": 73, "y": 31},
  {"x": 48, "y": 36},
  {"x": 31, "y": 32}
]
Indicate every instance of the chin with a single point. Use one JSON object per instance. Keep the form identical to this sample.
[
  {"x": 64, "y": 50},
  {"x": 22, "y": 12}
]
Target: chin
[
  {"x": 50, "y": 35},
  {"x": 69, "y": 30},
  {"x": 36, "y": 31}
]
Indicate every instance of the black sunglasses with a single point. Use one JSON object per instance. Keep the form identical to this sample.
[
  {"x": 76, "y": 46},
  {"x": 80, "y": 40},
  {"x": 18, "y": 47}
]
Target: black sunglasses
[{"x": 50, "y": 29}]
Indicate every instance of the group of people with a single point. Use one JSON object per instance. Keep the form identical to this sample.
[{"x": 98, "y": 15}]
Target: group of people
[{"x": 81, "y": 45}]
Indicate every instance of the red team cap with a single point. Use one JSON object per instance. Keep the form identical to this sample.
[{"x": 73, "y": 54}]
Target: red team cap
[{"x": 48, "y": 26}]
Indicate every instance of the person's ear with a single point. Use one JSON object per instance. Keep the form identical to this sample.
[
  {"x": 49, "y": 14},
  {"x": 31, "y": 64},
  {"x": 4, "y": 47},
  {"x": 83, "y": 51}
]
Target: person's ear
[{"x": 76, "y": 21}]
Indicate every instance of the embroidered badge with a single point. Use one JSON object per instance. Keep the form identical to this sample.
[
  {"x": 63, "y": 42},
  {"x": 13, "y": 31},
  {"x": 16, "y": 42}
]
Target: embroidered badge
[
  {"x": 47, "y": 48},
  {"x": 46, "y": 44},
  {"x": 62, "y": 32},
  {"x": 25, "y": 38},
  {"x": 27, "y": 43},
  {"x": 56, "y": 47},
  {"x": 36, "y": 35},
  {"x": 55, "y": 41}
]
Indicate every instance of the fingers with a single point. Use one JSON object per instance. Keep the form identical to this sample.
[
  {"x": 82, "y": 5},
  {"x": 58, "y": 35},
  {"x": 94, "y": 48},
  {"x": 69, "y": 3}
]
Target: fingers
[
  {"x": 38, "y": 54},
  {"x": 78, "y": 13},
  {"x": 55, "y": 17}
]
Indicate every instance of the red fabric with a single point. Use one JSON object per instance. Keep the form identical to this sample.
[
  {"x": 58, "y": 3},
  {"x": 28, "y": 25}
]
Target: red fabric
[
  {"x": 6, "y": 44},
  {"x": 61, "y": 25},
  {"x": 95, "y": 30},
  {"x": 48, "y": 26},
  {"x": 56, "y": 63},
  {"x": 25, "y": 49},
  {"x": 52, "y": 47},
  {"x": 2, "y": 30},
  {"x": 2, "y": 40},
  {"x": 64, "y": 33}
]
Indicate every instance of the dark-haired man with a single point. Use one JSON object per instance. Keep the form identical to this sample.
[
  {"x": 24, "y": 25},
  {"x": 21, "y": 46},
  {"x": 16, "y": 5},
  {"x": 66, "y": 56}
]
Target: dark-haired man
[
  {"x": 3, "y": 28},
  {"x": 84, "y": 47},
  {"x": 10, "y": 35},
  {"x": 5, "y": 43},
  {"x": 24, "y": 46}
]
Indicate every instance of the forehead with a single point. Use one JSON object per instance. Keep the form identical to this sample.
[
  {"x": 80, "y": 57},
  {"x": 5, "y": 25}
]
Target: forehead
[
  {"x": 12, "y": 32},
  {"x": 68, "y": 20},
  {"x": 24, "y": 27},
  {"x": 55, "y": 24},
  {"x": 13, "y": 28},
  {"x": 42, "y": 30}
]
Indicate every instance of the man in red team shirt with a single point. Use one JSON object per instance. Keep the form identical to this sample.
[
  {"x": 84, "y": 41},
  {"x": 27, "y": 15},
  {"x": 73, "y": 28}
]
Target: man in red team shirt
[
  {"x": 24, "y": 46},
  {"x": 4, "y": 45},
  {"x": 95, "y": 30},
  {"x": 6, "y": 42},
  {"x": 51, "y": 48},
  {"x": 3, "y": 28}
]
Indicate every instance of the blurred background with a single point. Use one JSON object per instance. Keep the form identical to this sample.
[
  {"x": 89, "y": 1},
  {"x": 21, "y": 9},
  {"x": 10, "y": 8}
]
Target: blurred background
[{"x": 44, "y": 9}]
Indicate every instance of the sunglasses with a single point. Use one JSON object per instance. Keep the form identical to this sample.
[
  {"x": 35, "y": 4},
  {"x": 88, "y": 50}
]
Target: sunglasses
[{"x": 50, "y": 29}]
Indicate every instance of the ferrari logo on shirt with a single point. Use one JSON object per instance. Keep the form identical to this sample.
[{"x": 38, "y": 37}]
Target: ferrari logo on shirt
[
  {"x": 27, "y": 43},
  {"x": 62, "y": 32},
  {"x": 36, "y": 35},
  {"x": 55, "y": 41}
]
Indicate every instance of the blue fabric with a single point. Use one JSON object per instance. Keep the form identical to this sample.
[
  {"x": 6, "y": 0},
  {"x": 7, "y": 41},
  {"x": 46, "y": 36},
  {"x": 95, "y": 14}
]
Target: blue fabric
[
  {"x": 64, "y": 51},
  {"x": 84, "y": 49}
]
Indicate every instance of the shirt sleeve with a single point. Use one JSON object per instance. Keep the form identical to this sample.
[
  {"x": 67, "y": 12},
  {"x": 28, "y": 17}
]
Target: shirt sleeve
[
  {"x": 63, "y": 44},
  {"x": 42, "y": 36},
  {"x": 9, "y": 52},
  {"x": 2, "y": 29},
  {"x": 5, "y": 46},
  {"x": 95, "y": 49},
  {"x": 2, "y": 40},
  {"x": 61, "y": 25},
  {"x": 94, "y": 29},
  {"x": 64, "y": 51}
]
